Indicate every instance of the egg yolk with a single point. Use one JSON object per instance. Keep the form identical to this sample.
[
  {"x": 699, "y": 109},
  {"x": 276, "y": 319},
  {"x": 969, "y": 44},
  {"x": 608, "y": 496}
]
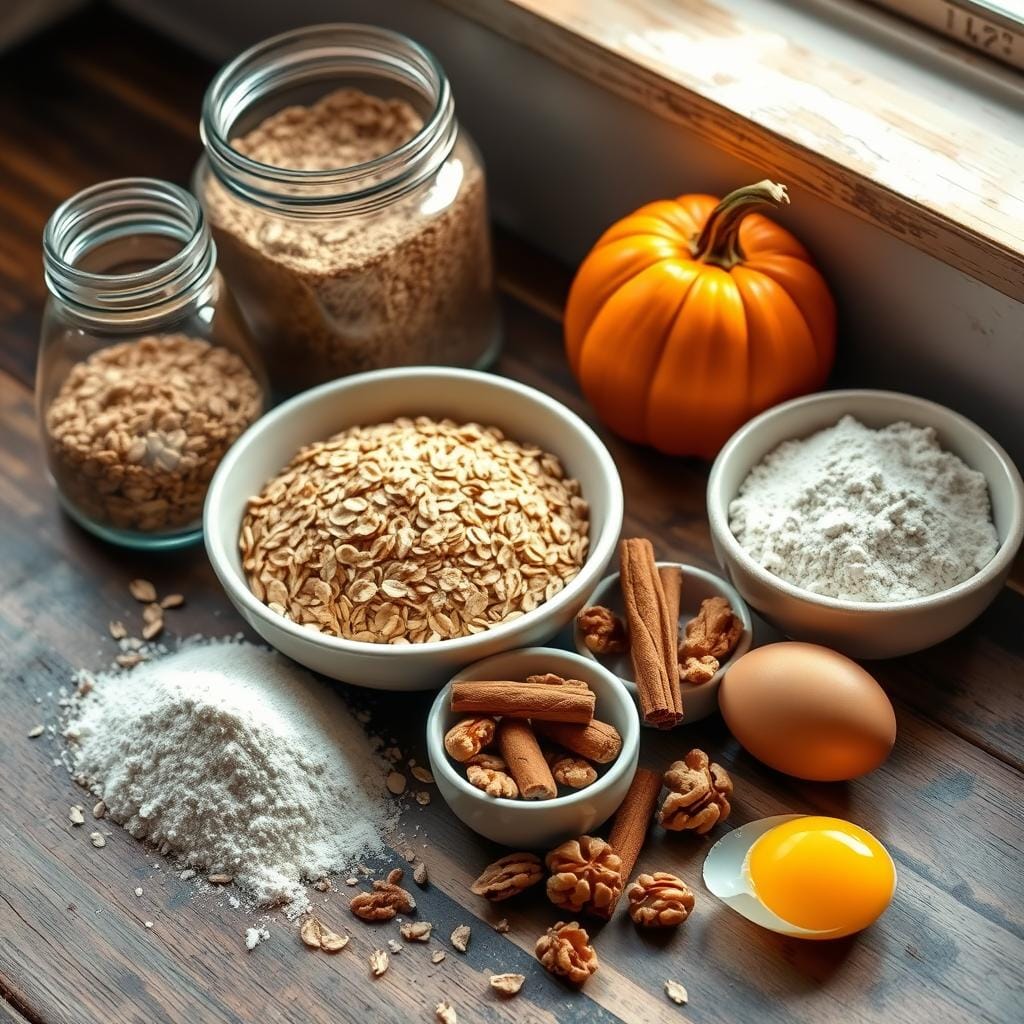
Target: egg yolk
[{"x": 824, "y": 874}]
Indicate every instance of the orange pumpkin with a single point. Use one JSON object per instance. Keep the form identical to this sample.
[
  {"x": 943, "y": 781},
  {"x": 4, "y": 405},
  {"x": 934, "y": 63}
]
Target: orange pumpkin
[{"x": 691, "y": 315}]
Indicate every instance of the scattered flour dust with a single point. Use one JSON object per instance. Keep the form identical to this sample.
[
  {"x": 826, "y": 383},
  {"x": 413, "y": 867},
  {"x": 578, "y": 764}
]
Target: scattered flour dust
[
  {"x": 866, "y": 515},
  {"x": 233, "y": 760}
]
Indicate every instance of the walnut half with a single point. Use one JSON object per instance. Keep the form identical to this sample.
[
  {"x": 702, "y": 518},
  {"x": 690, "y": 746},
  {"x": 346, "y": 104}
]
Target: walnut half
[
  {"x": 465, "y": 739},
  {"x": 659, "y": 900},
  {"x": 565, "y": 950},
  {"x": 603, "y": 631},
  {"x": 492, "y": 781},
  {"x": 508, "y": 876},
  {"x": 387, "y": 899},
  {"x": 698, "y": 795},
  {"x": 586, "y": 875}
]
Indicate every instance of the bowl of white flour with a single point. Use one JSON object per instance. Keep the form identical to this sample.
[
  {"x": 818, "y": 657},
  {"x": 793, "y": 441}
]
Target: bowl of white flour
[{"x": 872, "y": 522}]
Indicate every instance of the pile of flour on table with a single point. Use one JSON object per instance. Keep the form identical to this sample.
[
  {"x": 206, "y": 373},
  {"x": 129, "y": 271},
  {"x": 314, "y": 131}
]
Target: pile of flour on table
[
  {"x": 236, "y": 761},
  {"x": 866, "y": 515}
]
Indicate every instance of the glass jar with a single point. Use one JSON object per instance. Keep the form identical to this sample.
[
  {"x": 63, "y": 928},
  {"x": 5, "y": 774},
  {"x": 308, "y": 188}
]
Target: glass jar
[
  {"x": 348, "y": 206},
  {"x": 146, "y": 372}
]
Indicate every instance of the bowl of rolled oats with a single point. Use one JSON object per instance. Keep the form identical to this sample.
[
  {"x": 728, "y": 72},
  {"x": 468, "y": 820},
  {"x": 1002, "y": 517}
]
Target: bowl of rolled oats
[{"x": 388, "y": 529}]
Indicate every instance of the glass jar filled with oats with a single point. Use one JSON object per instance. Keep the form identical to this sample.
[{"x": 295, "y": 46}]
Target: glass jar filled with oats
[
  {"x": 146, "y": 372},
  {"x": 348, "y": 205}
]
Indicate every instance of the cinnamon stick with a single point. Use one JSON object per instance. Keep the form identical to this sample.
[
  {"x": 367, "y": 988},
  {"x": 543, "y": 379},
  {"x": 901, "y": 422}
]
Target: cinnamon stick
[
  {"x": 633, "y": 819},
  {"x": 526, "y": 764},
  {"x": 596, "y": 741},
  {"x": 671, "y": 577},
  {"x": 524, "y": 700},
  {"x": 654, "y": 640}
]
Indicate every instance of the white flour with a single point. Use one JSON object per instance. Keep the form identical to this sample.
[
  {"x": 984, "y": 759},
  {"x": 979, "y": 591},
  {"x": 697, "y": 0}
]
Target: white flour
[
  {"x": 237, "y": 761},
  {"x": 866, "y": 515}
]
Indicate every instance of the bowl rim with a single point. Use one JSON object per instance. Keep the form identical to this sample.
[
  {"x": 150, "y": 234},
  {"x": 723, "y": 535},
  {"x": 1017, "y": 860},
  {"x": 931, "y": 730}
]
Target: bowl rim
[
  {"x": 718, "y": 505},
  {"x": 442, "y": 764},
  {"x": 736, "y": 600},
  {"x": 600, "y": 549}
]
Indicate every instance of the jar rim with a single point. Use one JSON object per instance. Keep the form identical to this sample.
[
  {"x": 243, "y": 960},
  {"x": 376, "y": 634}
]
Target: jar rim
[
  {"x": 315, "y": 52},
  {"x": 118, "y": 209}
]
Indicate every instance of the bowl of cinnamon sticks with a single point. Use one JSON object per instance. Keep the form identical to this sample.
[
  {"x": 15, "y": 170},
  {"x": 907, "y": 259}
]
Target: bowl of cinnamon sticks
[
  {"x": 533, "y": 746},
  {"x": 666, "y": 630}
]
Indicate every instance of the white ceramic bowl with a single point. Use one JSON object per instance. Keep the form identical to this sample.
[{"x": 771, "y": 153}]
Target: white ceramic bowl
[
  {"x": 862, "y": 629},
  {"x": 698, "y": 701},
  {"x": 463, "y": 395},
  {"x": 538, "y": 824}
]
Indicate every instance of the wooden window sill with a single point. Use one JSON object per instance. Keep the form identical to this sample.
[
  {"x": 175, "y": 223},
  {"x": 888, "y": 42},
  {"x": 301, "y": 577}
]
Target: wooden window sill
[{"x": 901, "y": 128}]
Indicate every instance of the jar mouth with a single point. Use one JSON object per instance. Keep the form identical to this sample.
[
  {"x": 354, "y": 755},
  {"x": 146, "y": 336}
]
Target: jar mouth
[
  {"x": 148, "y": 239},
  {"x": 320, "y": 54}
]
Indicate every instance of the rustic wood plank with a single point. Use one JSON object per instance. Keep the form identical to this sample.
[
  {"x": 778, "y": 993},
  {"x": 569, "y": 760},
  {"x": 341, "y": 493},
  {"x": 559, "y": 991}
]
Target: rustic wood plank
[{"x": 891, "y": 155}]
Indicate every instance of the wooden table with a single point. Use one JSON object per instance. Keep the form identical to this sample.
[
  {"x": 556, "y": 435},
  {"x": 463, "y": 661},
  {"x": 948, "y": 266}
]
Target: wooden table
[{"x": 102, "y": 98}]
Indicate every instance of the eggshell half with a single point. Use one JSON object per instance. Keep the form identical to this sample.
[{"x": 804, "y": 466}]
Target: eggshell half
[{"x": 808, "y": 711}]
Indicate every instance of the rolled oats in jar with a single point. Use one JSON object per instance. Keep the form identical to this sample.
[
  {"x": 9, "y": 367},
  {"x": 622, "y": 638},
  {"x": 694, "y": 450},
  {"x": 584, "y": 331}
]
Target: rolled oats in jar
[
  {"x": 146, "y": 373},
  {"x": 348, "y": 205}
]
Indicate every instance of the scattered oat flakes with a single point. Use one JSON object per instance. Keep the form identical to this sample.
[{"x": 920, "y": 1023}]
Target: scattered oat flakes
[
  {"x": 378, "y": 962},
  {"x": 220, "y": 878},
  {"x": 142, "y": 590},
  {"x": 423, "y": 798},
  {"x": 437, "y": 956},
  {"x": 97, "y": 840},
  {"x": 416, "y": 931},
  {"x": 315, "y": 934},
  {"x": 363, "y": 870},
  {"x": 187, "y": 874},
  {"x": 148, "y": 924},
  {"x": 152, "y": 613},
  {"x": 446, "y": 1012},
  {"x": 507, "y": 984},
  {"x": 129, "y": 660},
  {"x": 676, "y": 992},
  {"x": 351, "y": 881},
  {"x": 460, "y": 937},
  {"x": 503, "y": 927},
  {"x": 394, "y": 945},
  {"x": 138, "y": 890},
  {"x": 35, "y": 732},
  {"x": 408, "y": 854},
  {"x": 422, "y": 774},
  {"x": 116, "y": 629},
  {"x": 396, "y": 783},
  {"x": 419, "y": 874},
  {"x": 152, "y": 629},
  {"x": 99, "y": 809},
  {"x": 322, "y": 885},
  {"x": 172, "y": 601},
  {"x": 75, "y": 815}
]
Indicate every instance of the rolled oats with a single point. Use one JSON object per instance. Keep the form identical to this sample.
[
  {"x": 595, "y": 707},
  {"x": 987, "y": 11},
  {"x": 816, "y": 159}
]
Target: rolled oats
[{"x": 414, "y": 531}]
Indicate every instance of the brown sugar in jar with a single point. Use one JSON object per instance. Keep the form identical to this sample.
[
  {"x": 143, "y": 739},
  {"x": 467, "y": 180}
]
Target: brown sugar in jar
[{"x": 353, "y": 228}]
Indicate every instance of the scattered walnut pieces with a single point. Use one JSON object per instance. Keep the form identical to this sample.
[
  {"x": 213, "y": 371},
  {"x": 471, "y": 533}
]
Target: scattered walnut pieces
[
  {"x": 416, "y": 931},
  {"x": 419, "y": 874},
  {"x": 394, "y": 946},
  {"x": 493, "y": 782},
  {"x": 423, "y": 798},
  {"x": 586, "y": 876},
  {"x": 386, "y": 901},
  {"x": 75, "y": 815},
  {"x": 698, "y": 670},
  {"x": 445, "y": 1012},
  {"x": 99, "y": 809},
  {"x": 659, "y": 900},
  {"x": 437, "y": 956},
  {"x": 97, "y": 840},
  {"x": 502, "y": 927},
  {"x": 487, "y": 760},
  {"x": 507, "y": 984},
  {"x": 603, "y": 631},
  {"x": 676, "y": 992},
  {"x": 460, "y": 937},
  {"x": 570, "y": 770},
  {"x": 713, "y": 632},
  {"x": 378, "y": 962},
  {"x": 142, "y": 590},
  {"x": 467, "y": 738},
  {"x": 220, "y": 878},
  {"x": 508, "y": 876},
  {"x": 565, "y": 950},
  {"x": 698, "y": 795},
  {"x": 315, "y": 934}
]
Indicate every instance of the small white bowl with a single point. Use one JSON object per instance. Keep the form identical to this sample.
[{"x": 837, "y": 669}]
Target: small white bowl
[
  {"x": 857, "y": 628},
  {"x": 538, "y": 824},
  {"x": 376, "y": 397},
  {"x": 698, "y": 701}
]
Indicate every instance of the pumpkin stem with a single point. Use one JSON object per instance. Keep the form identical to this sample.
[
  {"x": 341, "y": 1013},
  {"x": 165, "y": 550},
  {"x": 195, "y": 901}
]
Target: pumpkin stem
[{"x": 719, "y": 241}]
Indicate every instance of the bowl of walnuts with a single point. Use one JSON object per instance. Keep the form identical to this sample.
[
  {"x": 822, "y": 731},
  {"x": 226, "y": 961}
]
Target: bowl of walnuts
[{"x": 534, "y": 746}]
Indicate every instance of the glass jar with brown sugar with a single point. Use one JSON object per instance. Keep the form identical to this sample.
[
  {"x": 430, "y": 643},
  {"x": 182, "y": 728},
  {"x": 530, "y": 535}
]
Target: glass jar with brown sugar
[{"x": 348, "y": 205}]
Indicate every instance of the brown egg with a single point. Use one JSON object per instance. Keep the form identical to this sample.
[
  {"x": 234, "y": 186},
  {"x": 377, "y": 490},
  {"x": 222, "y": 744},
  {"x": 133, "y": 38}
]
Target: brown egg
[{"x": 807, "y": 711}]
